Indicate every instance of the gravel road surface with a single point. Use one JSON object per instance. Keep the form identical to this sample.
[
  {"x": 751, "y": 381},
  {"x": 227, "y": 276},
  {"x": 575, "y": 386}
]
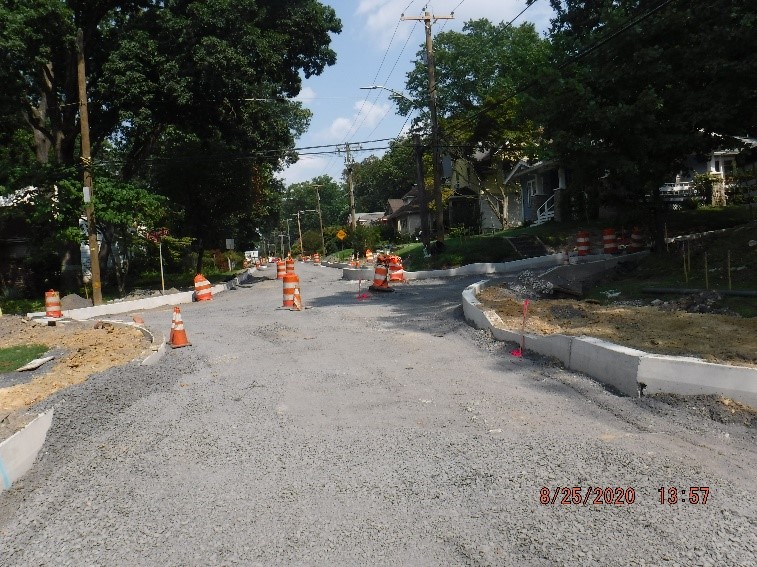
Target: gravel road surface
[{"x": 381, "y": 431}]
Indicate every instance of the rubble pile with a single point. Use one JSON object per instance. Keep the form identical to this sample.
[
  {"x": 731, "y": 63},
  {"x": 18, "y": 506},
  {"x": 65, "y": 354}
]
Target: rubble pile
[{"x": 702, "y": 302}]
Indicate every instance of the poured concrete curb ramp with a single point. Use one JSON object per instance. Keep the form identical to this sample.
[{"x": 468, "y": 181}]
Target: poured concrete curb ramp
[
  {"x": 18, "y": 452},
  {"x": 148, "y": 303},
  {"x": 627, "y": 370}
]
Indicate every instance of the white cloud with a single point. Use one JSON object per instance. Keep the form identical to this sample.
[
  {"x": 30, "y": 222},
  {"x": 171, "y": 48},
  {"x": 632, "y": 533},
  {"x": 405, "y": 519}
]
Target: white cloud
[
  {"x": 366, "y": 116},
  {"x": 382, "y": 17},
  {"x": 307, "y": 94},
  {"x": 338, "y": 129},
  {"x": 305, "y": 169}
]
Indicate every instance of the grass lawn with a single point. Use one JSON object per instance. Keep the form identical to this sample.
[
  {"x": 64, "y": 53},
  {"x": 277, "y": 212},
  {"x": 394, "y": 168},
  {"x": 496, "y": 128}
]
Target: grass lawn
[
  {"x": 15, "y": 357},
  {"x": 459, "y": 252}
]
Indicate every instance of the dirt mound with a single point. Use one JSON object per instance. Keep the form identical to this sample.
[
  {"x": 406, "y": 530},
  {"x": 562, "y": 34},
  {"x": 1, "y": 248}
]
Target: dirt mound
[
  {"x": 655, "y": 329},
  {"x": 84, "y": 349}
]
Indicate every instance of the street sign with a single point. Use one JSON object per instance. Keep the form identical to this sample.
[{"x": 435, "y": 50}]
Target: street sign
[{"x": 341, "y": 235}]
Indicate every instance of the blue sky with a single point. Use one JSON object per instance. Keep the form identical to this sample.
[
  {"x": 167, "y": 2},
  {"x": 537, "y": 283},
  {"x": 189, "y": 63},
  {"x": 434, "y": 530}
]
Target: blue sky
[{"x": 377, "y": 48}]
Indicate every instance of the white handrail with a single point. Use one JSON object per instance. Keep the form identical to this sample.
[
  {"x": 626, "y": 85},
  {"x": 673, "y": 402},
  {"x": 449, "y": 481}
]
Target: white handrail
[{"x": 547, "y": 207}]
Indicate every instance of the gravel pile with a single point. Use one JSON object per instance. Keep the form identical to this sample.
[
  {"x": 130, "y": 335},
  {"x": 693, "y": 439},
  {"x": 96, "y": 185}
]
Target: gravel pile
[{"x": 376, "y": 431}]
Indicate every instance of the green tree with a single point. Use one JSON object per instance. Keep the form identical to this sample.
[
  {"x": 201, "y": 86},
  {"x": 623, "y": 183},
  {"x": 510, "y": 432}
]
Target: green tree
[
  {"x": 389, "y": 176},
  {"x": 638, "y": 86},
  {"x": 479, "y": 72},
  {"x": 302, "y": 197},
  {"x": 219, "y": 72}
]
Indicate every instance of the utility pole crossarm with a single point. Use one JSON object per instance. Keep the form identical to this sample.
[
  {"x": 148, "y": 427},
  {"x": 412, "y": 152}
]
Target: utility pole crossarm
[{"x": 427, "y": 16}]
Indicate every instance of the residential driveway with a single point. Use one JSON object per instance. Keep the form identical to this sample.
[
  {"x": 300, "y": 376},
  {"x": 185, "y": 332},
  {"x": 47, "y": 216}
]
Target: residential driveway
[{"x": 374, "y": 431}]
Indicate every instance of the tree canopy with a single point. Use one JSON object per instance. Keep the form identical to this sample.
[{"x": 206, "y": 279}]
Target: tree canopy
[
  {"x": 191, "y": 99},
  {"x": 478, "y": 73},
  {"x": 635, "y": 86},
  {"x": 390, "y": 176}
]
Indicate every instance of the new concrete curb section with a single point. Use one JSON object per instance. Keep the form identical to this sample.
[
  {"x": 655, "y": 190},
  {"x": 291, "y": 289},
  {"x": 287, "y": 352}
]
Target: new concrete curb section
[
  {"x": 140, "y": 304},
  {"x": 18, "y": 452},
  {"x": 555, "y": 263},
  {"x": 626, "y": 369}
]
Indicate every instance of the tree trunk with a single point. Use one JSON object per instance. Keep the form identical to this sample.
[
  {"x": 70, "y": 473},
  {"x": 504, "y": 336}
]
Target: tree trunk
[
  {"x": 659, "y": 222},
  {"x": 200, "y": 251}
]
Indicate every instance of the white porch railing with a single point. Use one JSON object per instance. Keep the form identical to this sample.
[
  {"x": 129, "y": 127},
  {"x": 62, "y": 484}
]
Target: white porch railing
[{"x": 546, "y": 212}]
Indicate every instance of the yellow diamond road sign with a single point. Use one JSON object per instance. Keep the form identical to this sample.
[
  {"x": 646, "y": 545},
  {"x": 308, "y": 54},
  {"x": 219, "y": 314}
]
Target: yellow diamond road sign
[{"x": 341, "y": 235}]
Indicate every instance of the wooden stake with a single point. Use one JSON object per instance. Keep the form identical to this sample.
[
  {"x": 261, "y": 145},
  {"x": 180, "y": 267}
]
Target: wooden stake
[
  {"x": 688, "y": 253},
  {"x": 685, "y": 272},
  {"x": 729, "y": 269},
  {"x": 706, "y": 274}
]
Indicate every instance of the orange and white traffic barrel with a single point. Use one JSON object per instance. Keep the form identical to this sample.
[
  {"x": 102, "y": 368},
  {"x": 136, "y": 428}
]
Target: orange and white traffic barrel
[
  {"x": 582, "y": 243},
  {"x": 369, "y": 256},
  {"x": 316, "y": 259},
  {"x": 290, "y": 265},
  {"x": 202, "y": 289},
  {"x": 609, "y": 241},
  {"x": 396, "y": 273},
  {"x": 290, "y": 283},
  {"x": 52, "y": 304},
  {"x": 280, "y": 269},
  {"x": 380, "y": 278},
  {"x": 637, "y": 240}
]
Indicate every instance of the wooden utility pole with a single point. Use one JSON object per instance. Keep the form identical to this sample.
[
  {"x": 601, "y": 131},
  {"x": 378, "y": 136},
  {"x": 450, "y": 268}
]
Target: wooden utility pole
[
  {"x": 422, "y": 197},
  {"x": 427, "y": 19},
  {"x": 320, "y": 217},
  {"x": 86, "y": 160},
  {"x": 349, "y": 163}
]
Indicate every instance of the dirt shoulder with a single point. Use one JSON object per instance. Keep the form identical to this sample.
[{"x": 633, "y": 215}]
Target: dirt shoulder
[
  {"x": 82, "y": 350},
  {"x": 712, "y": 337}
]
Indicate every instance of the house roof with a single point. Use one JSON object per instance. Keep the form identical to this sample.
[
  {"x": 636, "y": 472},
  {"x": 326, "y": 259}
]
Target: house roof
[
  {"x": 519, "y": 171},
  {"x": 412, "y": 194},
  {"x": 413, "y": 207},
  {"x": 368, "y": 218},
  {"x": 394, "y": 205}
]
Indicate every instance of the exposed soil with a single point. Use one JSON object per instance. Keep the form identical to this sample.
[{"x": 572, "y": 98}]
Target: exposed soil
[
  {"x": 717, "y": 338},
  {"x": 82, "y": 348}
]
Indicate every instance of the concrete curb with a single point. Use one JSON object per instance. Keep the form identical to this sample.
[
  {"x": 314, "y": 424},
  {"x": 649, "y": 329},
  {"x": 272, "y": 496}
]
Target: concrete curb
[
  {"x": 600, "y": 262},
  {"x": 355, "y": 274},
  {"x": 142, "y": 304},
  {"x": 18, "y": 452},
  {"x": 627, "y": 370}
]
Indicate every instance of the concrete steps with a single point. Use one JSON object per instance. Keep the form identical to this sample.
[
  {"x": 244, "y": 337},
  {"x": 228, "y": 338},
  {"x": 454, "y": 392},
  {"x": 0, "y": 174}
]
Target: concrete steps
[{"x": 528, "y": 246}]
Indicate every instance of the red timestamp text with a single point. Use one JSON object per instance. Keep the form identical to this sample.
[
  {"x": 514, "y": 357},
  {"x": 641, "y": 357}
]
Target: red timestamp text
[
  {"x": 672, "y": 495},
  {"x": 592, "y": 495}
]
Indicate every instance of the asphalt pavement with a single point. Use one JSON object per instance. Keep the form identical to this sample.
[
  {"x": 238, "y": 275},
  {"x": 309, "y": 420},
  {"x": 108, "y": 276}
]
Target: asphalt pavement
[{"x": 371, "y": 429}]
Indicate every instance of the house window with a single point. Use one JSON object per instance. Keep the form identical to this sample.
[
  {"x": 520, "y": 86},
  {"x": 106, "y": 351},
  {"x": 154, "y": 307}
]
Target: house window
[{"x": 717, "y": 166}]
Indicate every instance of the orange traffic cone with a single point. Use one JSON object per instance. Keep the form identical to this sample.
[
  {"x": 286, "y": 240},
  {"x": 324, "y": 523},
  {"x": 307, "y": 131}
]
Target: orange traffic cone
[{"x": 178, "y": 334}]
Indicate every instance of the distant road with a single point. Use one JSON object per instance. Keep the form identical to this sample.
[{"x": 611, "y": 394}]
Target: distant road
[{"x": 374, "y": 431}]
